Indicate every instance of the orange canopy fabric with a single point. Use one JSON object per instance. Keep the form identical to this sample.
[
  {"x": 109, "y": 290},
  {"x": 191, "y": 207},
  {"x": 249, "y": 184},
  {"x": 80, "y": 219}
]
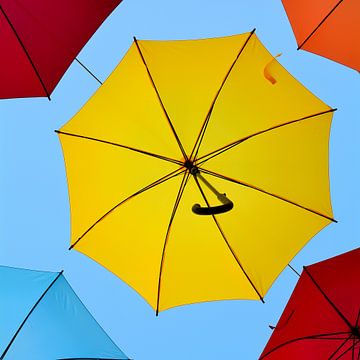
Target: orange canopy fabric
[{"x": 330, "y": 28}]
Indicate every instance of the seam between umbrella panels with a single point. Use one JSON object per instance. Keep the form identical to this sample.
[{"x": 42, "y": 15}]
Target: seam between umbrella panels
[
  {"x": 321, "y": 22},
  {"x": 339, "y": 347},
  {"x": 176, "y": 205},
  {"x": 25, "y": 51},
  {"x": 342, "y": 316},
  {"x": 223, "y": 177},
  {"x": 212, "y": 154},
  {"x": 121, "y": 146},
  {"x": 160, "y": 100},
  {"x": 28, "y": 315},
  {"x": 207, "y": 118},
  {"x": 309, "y": 337},
  {"x": 351, "y": 347},
  {"x": 228, "y": 244},
  {"x": 148, "y": 187}
]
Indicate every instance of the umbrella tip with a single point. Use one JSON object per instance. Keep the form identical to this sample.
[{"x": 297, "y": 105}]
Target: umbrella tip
[{"x": 272, "y": 327}]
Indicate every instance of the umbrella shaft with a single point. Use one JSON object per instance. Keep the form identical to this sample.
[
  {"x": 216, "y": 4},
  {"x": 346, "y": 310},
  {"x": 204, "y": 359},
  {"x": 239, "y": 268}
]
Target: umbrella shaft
[{"x": 210, "y": 187}]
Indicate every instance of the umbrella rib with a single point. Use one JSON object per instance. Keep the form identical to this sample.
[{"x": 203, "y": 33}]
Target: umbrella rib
[
  {"x": 357, "y": 319},
  {"x": 223, "y": 177},
  {"x": 322, "y": 21},
  {"x": 177, "y": 201},
  {"x": 26, "y": 52},
  {"x": 148, "y": 187},
  {"x": 160, "y": 100},
  {"x": 347, "y": 322},
  {"x": 353, "y": 349},
  {"x": 28, "y": 315},
  {"x": 309, "y": 337},
  {"x": 339, "y": 347},
  {"x": 207, "y": 118},
  {"x": 219, "y": 151},
  {"x": 352, "y": 346},
  {"x": 161, "y": 157},
  {"x": 228, "y": 244}
]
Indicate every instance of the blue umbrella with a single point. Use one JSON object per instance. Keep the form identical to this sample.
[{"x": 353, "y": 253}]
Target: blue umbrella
[{"x": 41, "y": 318}]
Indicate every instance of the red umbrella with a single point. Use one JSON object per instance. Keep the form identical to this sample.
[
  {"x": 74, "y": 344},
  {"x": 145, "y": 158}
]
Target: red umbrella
[
  {"x": 40, "y": 38},
  {"x": 330, "y": 28},
  {"x": 322, "y": 318}
]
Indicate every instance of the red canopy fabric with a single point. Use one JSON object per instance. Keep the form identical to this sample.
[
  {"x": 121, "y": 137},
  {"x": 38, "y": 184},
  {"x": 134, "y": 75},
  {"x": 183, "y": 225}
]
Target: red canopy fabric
[
  {"x": 322, "y": 317},
  {"x": 40, "y": 38},
  {"x": 330, "y": 28}
]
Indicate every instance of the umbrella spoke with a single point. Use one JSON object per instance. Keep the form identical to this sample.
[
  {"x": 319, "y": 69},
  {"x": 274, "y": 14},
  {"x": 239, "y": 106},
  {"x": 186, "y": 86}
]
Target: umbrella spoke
[
  {"x": 227, "y": 242},
  {"x": 200, "y": 137},
  {"x": 219, "y": 151},
  {"x": 121, "y": 146},
  {"x": 161, "y": 102},
  {"x": 36, "y": 71},
  {"x": 150, "y": 186},
  {"x": 317, "y": 27},
  {"x": 352, "y": 346},
  {"x": 309, "y": 337},
  {"x": 357, "y": 319},
  {"x": 223, "y": 177},
  {"x": 339, "y": 347},
  {"x": 353, "y": 350},
  {"x": 177, "y": 202},
  {"x": 28, "y": 315},
  {"x": 342, "y": 316}
]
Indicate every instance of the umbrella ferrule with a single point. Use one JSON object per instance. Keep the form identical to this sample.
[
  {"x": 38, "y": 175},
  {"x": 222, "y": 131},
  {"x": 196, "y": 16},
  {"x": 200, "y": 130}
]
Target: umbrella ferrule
[
  {"x": 355, "y": 331},
  {"x": 193, "y": 169}
]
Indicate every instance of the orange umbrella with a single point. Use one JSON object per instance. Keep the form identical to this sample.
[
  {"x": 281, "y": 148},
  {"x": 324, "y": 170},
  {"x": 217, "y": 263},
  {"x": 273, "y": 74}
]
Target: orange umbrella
[{"x": 329, "y": 28}]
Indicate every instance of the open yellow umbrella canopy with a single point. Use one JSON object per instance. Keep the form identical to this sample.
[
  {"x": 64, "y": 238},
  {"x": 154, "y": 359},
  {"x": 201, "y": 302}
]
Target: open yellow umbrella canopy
[{"x": 175, "y": 127}]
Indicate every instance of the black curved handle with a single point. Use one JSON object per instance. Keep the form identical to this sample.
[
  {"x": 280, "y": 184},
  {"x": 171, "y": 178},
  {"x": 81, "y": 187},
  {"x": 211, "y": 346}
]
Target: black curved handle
[{"x": 213, "y": 210}]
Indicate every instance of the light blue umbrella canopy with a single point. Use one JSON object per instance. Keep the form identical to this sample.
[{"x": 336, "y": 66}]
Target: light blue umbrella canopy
[{"x": 41, "y": 318}]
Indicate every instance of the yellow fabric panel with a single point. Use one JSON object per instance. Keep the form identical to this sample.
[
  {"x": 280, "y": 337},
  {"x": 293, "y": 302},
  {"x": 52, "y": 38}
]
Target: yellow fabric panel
[
  {"x": 198, "y": 264},
  {"x": 101, "y": 175},
  {"x": 249, "y": 102},
  {"x": 187, "y": 74},
  {"x": 126, "y": 110},
  {"x": 289, "y": 161},
  {"x": 266, "y": 233},
  {"x": 130, "y": 241}
]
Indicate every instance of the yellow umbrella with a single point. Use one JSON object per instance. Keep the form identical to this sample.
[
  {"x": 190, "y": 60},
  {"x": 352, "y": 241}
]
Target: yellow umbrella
[{"x": 180, "y": 123}]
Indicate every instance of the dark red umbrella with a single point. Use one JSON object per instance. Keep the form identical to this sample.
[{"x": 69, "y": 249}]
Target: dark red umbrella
[
  {"x": 40, "y": 38},
  {"x": 321, "y": 319}
]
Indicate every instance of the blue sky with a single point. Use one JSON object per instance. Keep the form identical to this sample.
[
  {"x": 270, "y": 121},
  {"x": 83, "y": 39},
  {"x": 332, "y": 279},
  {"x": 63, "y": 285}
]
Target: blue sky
[{"x": 34, "y": 219}]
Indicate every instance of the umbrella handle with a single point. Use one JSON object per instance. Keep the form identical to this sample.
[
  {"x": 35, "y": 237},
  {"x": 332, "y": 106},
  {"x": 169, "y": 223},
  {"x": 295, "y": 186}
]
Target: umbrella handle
[
  {"x": 213, "y": 210},
  {"x": 227, "y": 204}
]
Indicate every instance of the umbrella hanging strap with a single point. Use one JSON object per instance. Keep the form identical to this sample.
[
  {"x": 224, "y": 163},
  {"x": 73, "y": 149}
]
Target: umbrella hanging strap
[{"x": 212, "y": 210}]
